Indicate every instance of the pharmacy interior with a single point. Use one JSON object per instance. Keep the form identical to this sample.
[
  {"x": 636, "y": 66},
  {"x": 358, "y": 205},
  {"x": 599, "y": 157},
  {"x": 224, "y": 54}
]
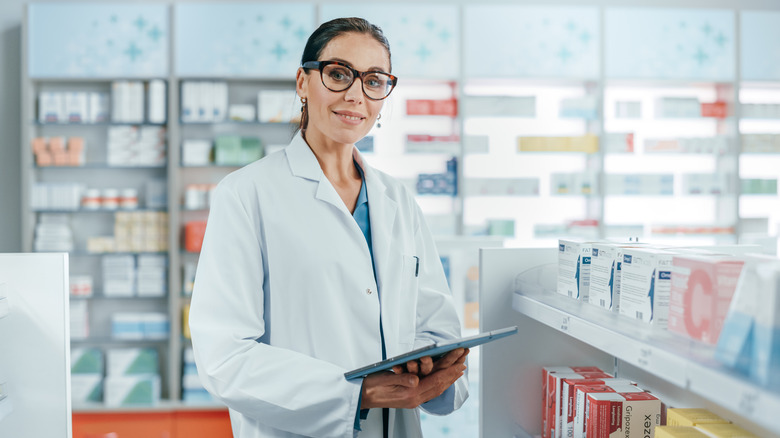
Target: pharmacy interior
[{"x": 601, "y": 175}]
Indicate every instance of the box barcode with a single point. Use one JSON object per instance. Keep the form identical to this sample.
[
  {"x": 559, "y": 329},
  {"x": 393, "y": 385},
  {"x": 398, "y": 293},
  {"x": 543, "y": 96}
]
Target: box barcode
[{"x": 639, "y": 315}]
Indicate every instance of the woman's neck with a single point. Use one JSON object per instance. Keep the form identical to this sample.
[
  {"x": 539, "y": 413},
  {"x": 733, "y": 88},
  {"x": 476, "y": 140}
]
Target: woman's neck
[{"x": 335, "y": 159}]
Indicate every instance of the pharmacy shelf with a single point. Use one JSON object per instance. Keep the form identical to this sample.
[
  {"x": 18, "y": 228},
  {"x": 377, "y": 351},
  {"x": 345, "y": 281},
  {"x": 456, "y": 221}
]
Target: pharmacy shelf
[
  {"x": 687, "y": 364},
  {"x": 163, "y": 406},
  {"x": 84, "y": 124},
  {"x": 100, "y": 211},
  {"x": 109, "y": 340},
  {"x": 99, "y": 296},
  {"x": 100, "y": 166},
  {"x": 240, "y": 122}
]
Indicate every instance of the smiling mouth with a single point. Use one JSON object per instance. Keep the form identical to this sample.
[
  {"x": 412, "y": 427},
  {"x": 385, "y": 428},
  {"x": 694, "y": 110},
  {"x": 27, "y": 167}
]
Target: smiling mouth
[{"x": 356, "y": 118}]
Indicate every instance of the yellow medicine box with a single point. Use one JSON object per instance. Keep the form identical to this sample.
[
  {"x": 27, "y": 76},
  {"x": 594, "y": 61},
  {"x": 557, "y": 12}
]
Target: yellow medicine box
[
  {"x": 678, "y": 432},
  {"x": 725, "y": 431},
  {"x": 691, "y": 417}
]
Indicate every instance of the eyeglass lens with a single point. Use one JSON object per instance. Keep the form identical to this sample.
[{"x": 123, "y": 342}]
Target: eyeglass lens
[{"x": 376, "y": 85}]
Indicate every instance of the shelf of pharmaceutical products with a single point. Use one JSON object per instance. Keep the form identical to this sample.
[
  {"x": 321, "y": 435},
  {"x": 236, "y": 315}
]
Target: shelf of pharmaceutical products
[
  {"x": 99, "y": 166},
  {"x": 688, "y": 364},
  {"x": 162, "y": 406},
  {"x": 102, "y": 340}
]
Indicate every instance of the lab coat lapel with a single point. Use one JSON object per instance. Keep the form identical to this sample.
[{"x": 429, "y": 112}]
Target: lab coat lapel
[
  {"x": 382, "y": 212},
  {"x": 304, "y": 164}
]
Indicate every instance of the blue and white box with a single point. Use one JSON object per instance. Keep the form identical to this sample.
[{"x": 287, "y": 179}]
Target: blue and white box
[
  {"x": 646, "y": 280},
  {"x": 574, "y": 257}
]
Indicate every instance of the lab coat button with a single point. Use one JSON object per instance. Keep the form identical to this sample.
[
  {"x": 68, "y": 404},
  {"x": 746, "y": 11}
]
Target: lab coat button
[{"x": 368, "y": 291}]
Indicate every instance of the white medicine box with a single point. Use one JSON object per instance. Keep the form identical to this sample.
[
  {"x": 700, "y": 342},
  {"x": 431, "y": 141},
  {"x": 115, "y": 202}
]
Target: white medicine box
[
  {"x": 646, "y": 278},
  {"x": 574, "y": 268}
]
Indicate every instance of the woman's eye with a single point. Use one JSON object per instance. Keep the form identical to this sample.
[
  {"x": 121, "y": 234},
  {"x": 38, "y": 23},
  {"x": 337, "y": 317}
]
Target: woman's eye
[{"x": 339, "y": 75}]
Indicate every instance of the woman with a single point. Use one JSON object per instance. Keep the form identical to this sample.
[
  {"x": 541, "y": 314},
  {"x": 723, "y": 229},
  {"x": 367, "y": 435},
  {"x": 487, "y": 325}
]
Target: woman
[{"x": 299, "y": 282}]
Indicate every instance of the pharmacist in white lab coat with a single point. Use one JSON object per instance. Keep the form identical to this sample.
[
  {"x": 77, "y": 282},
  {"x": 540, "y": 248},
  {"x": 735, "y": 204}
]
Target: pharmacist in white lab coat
[{"x": 314, "y": 264}]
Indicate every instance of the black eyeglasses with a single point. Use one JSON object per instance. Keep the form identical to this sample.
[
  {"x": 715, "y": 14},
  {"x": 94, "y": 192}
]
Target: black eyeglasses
[{"x": 337, "y": 76}]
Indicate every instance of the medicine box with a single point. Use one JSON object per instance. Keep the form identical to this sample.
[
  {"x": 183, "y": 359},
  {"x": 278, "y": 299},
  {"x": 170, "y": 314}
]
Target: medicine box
[
  {"x": 86, "y": 388},
  {"x": 605, "y": 275},
  {"x": 579, "y": 427},
  {"x": 624, "y": 415},
  {"x": 141, "y": 390},
  {"x": 276, "y": 106},
  {"x": 701, "y": 291},
  {"x": 574, "y": 258},
  {"x": 131, "y": 361},
  {"x": 568, "y": 400},
  {"x": 646, "y": 277},
  {"x": 691, "y": 417},
  {"x": 548, "y": 393},
  {"x": 725, "y": 431},
  {"x": 555, "y": 382},
  {"x": 678, "y": 432},
  {"x": 765, "y": 367},
  {"x": 86, "y": 361},
  {"x": 739, "y": 345}
]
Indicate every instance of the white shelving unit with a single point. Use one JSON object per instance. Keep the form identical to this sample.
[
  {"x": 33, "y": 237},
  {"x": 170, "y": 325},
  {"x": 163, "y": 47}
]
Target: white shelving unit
[{"x": 681, "y": 372}]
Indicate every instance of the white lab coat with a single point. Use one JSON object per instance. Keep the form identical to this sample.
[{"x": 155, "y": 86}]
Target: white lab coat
[{"x": 285, "y": 298}]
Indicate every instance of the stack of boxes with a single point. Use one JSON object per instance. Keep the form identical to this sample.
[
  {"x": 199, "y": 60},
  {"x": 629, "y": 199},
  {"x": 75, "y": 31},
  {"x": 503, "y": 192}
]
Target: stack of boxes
[
  {"x": 72, "y": 107},
  {"x": 192, "y": 390},
  {"x": 233, "y": 150},
  {"x": 585, "y": 143},
  {"x": 140, "y": 325},
  {"x": 121, "y": 278},
  {"x": 53, "y": 234},
  {"x": 86, "y": 375},
  {"x": 585, "y": 401},
  {"x": 132, "y": 377},
  {"x": 136, "y": 146},
  {"x": 55, "y": 152}
]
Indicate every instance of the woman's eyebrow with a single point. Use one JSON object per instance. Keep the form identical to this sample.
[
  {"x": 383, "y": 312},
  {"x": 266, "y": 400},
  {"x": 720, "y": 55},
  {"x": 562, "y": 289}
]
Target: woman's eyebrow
[{"x": 376, "y": 69}]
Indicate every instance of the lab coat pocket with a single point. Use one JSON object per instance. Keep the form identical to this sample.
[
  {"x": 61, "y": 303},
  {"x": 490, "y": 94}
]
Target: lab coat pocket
[{"x": 408, "y": 302}]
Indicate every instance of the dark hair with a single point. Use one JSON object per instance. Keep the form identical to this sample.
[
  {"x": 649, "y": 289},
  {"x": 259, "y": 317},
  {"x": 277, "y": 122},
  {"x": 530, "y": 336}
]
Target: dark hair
[{"x": 332, "y": 29}]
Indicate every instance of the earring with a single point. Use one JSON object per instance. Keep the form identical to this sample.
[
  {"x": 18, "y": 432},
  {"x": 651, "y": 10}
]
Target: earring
[
  {"x": 303, "y": 103},
  {"x": 378, "y": 124}
]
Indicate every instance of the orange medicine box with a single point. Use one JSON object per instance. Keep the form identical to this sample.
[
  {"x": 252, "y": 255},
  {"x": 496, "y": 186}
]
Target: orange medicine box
[
  {"x": 624, "y": 415},
  {"x": 193, "y": 235}
]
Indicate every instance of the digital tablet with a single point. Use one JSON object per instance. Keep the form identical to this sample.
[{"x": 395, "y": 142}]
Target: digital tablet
[{"x": 435, "y": 350}]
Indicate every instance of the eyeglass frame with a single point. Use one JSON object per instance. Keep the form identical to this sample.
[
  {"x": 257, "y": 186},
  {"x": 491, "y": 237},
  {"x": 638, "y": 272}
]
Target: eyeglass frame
[{"x": 320, "y": 65}]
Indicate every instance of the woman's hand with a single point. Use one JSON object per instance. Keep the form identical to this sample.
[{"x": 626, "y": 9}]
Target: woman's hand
[
  {"x": 409, "y": 390},
  {"x": 426, "y": 365}
]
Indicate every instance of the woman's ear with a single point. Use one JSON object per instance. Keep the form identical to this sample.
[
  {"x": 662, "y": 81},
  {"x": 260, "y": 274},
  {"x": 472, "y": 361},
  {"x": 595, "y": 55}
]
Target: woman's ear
[{"x": 301, "y": 84}]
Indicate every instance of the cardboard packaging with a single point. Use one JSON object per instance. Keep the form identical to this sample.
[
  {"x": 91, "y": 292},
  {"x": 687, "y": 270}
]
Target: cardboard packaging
[
  {"x": 568, "y": 400},
  {"x": 692, "y": 417},
  {"x": 574, "y": 258},
  {"x": 623, "y": 415},
  {"x": 678, "y": 432},
  {"x": 725, "y": 431},
  {"x": 645, "y": 283},
  {"x": 548, "y": 393},
  {"x": 141, "y": 390},
  {"x": 606, "y": 265},
  {"x": 700, "y": 295},
  {"x": 555, "y": 380},
  {"x": 750, "y": 338},
  {"x": 579, "y": 429},
  {"x": 131, "y": 361}
]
